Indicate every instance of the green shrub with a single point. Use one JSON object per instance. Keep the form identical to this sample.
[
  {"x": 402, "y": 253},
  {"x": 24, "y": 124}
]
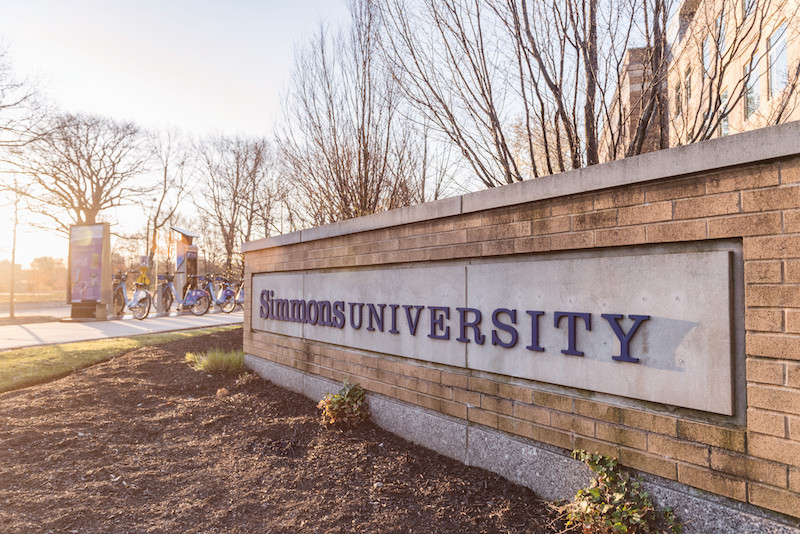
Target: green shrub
[
  {"x": 217, "y": 361},
  {"x": 348, "y": 408},
  {"x": 614, "y": 502}
]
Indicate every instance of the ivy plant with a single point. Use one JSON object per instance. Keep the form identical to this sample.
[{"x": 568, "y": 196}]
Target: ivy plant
[
  {"x": 614, "y": 503},
  {"x": 347, "y": 408}
]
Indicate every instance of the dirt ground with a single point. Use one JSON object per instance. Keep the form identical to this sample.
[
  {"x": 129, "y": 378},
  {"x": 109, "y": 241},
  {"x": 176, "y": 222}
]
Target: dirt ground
[{"x": 144, "y": 443}]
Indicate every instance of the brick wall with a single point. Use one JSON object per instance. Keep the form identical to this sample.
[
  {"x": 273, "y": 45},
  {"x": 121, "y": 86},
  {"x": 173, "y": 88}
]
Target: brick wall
[{"x": 753, "y": 458}]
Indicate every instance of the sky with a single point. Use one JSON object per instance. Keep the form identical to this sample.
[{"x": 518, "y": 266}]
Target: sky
[{"x": 200, "y": 66}]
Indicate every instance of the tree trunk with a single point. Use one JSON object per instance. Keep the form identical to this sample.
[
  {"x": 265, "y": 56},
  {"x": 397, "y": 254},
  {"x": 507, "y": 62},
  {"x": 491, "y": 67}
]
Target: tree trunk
[
  {"x": 590, "y": 67},
  {"x": 13, "y": 260}
]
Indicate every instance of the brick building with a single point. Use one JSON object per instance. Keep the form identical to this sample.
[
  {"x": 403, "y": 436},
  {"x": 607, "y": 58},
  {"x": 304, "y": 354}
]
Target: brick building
[{"x": 733, "y": 66}]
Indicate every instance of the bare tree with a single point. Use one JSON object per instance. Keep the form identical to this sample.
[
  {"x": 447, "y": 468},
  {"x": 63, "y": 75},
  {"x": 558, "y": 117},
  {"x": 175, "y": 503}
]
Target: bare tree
[
  {"x": 345, "y": 147},
  {"x": 492, "y": 73},
  {"x": 125, "y": 252},
  {"x": 434, "y": 166},
  {"x": 525, "y": 88},
  {"x": 268, "y": 200},
  {"x": 15, "y": 200},
  {"x": 233, "y": 172},
  {"x": 172, "y": 157},
  {"x": 21, "y": 112},
  {"x": 445, "y": 53},
  {"x": 264, "y": 195},
  {"x": 20, "y": 115},
  {"x": 81, "y": 167}
]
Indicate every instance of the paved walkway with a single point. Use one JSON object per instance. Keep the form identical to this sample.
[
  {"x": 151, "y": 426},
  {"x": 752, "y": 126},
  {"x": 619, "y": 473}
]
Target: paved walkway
[
  {"x": 58, "y": 312},
  {"x": 32, "y": 334}
]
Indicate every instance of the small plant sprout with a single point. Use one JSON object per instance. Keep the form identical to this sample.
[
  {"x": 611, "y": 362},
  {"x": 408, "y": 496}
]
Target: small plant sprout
[
  {"x": 614, "y": 503},
  {"x": 347, "y": 409}
]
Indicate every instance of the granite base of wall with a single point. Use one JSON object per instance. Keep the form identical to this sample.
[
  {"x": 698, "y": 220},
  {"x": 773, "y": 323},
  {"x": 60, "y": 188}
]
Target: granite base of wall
[{"x": 551, "y": 474}]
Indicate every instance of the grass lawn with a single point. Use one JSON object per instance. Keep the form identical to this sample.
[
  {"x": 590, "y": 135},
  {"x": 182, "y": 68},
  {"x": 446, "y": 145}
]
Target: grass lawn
[{"x": 25, "y": 367}]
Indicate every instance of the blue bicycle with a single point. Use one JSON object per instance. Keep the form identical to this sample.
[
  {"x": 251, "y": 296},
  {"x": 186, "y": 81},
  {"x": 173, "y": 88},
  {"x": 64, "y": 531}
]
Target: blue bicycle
[
  {"x": 225, "y": 298},
  {"x": 139, "y": 303},
  {"x": 240, "y": 293},
  {"x": 195, "y": 299}
]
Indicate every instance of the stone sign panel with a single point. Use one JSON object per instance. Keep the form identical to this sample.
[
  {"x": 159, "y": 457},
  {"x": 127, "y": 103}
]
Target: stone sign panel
[{"x": 653, "y": 326}]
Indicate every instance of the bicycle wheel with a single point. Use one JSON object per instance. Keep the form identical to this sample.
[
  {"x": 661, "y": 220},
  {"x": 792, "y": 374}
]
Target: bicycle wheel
[
  {"x": 142, "y": 308},
  {"x": 118, "y": 303},
  {"x": 201, "y": 304},
  {"x": 166, "y": 299},
  {"x": 228, "y": 302}
]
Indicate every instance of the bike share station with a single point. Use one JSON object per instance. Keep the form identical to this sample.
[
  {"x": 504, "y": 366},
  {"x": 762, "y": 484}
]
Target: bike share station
[
  {"x": 97, "y": 295},
  {"x": 188, "y": 290},
  {"x": 186, "y": 262},
  {"x": 89, "y": 272},
  {"x": 185, "y": 266},
  {"x": 90, "y": 291}
]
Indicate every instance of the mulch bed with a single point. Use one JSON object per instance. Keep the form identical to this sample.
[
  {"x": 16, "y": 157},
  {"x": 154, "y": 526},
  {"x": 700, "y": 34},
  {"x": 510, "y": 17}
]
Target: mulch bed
[{"x": 144, "y": 443}]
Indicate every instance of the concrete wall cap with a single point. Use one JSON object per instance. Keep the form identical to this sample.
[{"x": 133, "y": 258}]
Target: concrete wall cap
[
  {"x": 742, "y": 149},
  {"x": 271, "y": 242}
]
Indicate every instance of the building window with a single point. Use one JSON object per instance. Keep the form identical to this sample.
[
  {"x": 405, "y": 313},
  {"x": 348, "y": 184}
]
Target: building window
[
  {"x": 751, "y": 88},
  {"x": 724, "y": 128},
  {"x": 707, "y": 56},
  {"x": 778, "y": 61},
  {"x": 687, "y": 83},
  {"x": 678, "y": 100},
  {"x": 721, "y": 34}
]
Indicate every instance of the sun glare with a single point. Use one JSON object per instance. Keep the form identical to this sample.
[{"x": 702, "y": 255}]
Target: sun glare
[{"x": 32, "y": 242}]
